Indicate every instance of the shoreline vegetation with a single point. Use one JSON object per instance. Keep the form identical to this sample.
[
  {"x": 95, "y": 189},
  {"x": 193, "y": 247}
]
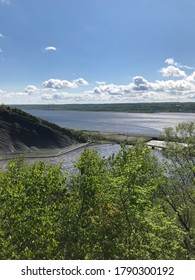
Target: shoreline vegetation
[{"x": 181, "y": 107}]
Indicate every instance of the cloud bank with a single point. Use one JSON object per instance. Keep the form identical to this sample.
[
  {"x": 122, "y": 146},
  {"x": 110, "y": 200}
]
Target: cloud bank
[{"x": 175, "y": 85}]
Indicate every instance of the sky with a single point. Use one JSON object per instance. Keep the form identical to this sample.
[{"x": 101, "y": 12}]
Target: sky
[{"x": 97, "y": 51}]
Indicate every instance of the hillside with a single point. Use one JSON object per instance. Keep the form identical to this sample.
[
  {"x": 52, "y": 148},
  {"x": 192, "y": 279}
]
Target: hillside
[{"x": 22, "y": 132}]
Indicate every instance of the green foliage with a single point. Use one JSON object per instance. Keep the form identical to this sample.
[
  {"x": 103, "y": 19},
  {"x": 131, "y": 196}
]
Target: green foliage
[
  {"x": 125, "y": 207},
  {"x": 28, "y": 214},
  {"x": 138, "y": 178},
  {"x": 179, "y": 189}
]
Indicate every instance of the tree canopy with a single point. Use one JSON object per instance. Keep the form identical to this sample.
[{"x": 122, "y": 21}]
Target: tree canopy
[{"x": 129, "y": 206}]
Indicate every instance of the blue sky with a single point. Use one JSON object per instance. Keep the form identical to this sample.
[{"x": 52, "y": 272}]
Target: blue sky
[{"x": 89, "y": 51}]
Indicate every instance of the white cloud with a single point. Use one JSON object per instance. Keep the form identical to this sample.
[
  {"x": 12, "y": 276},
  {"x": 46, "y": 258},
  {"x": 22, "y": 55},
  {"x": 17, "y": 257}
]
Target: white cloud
[
  {"x": 2, "y": 92},
  {"x": 138, "y": 89},
  {"x": 191, "y": 78},
  {"x": 81, "y": 81},
  {"x": 48, "y": 90},
  {"x": 1, "y": 35},
  {"x": 50, "y": 48},
  {"x": 58, "y": 96},
  {"x": 19, "y": 93},
  {"x": 5, "y": 94},
  {"x": 172, "y": 71},
  {"x": 108, "y": 90},
  {"x": 140, "y": 84},
  {"x": 46, "y": 96},
  {"x": 1, "y": 50},
  {"x": 101, "y": 83},
  {"x": 170, "y": 61},
  {"x": 60, "y": 84},
  {"x": 30, "y": 89},
  {"x": 171, "y": 86}
]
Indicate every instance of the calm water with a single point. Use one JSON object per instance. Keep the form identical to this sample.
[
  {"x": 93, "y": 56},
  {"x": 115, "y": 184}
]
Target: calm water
[{"x": 132, "y": 123}]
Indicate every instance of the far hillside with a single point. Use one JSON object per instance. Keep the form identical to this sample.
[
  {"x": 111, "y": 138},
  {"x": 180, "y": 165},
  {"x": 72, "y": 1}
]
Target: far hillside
[{"x": 181, "y": 107}]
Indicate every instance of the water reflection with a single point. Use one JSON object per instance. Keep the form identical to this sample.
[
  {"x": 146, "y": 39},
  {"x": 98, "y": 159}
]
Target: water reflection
[{"x": 133, "y": 123}]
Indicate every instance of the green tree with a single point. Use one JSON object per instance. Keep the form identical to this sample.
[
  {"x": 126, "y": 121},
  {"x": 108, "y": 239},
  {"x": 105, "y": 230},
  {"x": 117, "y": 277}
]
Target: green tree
[
  {"x": 179, "y": 188},
  {"x": 118, "y": 214},
  {"x": 29, "y": 210},
  {"x": 88, "y": 187},
  {"x": 145, "y": 224},
  {"x": 116, "y": 208}
]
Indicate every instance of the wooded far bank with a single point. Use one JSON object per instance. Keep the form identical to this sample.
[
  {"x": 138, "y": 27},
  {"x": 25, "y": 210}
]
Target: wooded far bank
[{"x": 185, "y": 107}]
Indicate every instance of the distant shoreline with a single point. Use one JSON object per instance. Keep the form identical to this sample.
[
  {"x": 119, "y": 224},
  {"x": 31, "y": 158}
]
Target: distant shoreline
[{"x": 161, "y": 107}]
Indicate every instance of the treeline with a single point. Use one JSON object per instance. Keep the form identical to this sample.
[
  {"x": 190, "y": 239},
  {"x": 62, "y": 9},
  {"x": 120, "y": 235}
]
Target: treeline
[
  {"x": 129, "y": 206},
  {"x": 185, "y": 107}
]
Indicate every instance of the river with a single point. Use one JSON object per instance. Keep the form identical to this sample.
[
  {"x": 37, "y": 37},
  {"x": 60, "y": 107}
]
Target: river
[
  {"x": 150, "y": 124},
  {"x": 133, "y": 123}
]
